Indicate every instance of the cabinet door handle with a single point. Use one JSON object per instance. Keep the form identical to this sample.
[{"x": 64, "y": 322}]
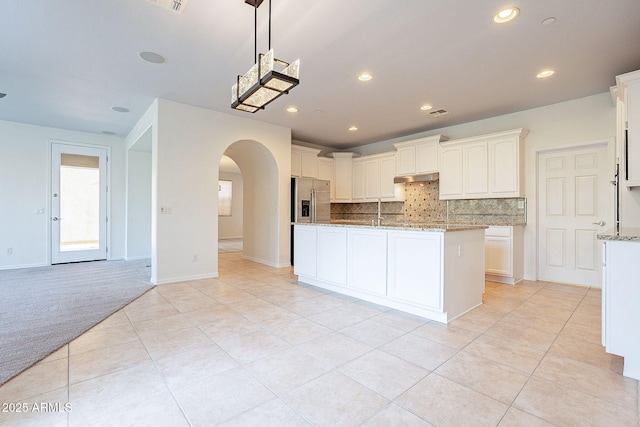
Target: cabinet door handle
[{"x": 600, "y": 223}]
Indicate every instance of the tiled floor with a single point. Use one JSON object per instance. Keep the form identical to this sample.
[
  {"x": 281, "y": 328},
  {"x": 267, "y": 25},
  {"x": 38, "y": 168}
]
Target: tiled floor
[{"x": 254, "y": 348}]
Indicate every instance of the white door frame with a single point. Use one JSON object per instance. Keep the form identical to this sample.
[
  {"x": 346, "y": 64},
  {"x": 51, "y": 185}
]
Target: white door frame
[
  {"x": 51, "y": 142},
  {"x": 611, "y": 150}
]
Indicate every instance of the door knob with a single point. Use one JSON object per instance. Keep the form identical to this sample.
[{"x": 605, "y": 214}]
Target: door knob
[
  {"x": 600, "y": 223},
  {"x": 55, "y": 218}
]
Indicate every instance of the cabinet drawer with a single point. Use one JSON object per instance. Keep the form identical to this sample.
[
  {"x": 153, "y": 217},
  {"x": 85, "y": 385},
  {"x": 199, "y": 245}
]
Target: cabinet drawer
[{"x": 498, "y": 231}]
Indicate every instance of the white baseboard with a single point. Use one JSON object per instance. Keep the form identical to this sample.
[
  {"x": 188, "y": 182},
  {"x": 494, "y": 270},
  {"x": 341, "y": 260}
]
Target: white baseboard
[
  {"x": 14, "y": 267},
  {"x": 184, "y": 278}
]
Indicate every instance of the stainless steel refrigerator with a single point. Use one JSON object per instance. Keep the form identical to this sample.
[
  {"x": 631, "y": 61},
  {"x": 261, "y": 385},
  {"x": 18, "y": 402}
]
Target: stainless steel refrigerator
[{"x": 310, "y": 203}]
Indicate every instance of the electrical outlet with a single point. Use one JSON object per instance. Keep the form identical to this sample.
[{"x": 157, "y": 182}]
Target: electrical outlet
[
  {"x": 9, "y": 251},
  {"x": 195, "y": 258},
  {"x": 520, "y": 204},
  {"x": 166, "y": 210}
]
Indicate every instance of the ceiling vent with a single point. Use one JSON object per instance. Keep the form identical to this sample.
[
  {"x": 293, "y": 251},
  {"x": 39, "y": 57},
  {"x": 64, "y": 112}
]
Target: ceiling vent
[
  {"x": 438, "y": 113},
  {"x": 173, "y": 5}
]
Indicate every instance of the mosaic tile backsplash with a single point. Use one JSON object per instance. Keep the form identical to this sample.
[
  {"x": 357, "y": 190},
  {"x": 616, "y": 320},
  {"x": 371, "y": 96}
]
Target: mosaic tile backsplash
[{"x": 422, "y": 205}]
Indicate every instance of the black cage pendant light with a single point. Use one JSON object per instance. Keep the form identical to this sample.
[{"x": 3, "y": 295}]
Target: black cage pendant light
[{"x": 263, "y": 83}]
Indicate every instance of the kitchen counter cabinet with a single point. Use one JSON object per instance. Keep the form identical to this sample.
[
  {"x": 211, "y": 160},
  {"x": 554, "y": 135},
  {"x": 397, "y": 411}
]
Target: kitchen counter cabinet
[
  {"x": 504, "y": 254},
  {"x": 436, "y": 274},
  {"x": 621, "y": 298}
]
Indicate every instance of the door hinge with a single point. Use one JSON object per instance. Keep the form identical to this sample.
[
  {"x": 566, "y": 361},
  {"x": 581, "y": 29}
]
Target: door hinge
[
  {"x": 107, "y": 220},
  {"x": 107, "y": 249},
  {"x": 107, "y": 188}
]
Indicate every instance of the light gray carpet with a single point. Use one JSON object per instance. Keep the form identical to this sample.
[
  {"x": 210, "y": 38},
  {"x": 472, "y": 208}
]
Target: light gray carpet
[{"x": 44, "y": 308}]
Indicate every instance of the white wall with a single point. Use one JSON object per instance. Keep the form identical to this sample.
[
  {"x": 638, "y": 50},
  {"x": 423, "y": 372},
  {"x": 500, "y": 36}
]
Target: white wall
[
  {"x": 25, "y": 186},
  {"x": 187, "y": 143},
  {"x": 586, "y": 119},
  {"x": 138, "y": 241},
  {"x": 230, "y": 227}
]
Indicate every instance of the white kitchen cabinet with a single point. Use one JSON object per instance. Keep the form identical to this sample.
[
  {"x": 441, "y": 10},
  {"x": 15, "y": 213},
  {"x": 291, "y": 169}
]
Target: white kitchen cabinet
[
  {"x": 486, "y": 166},
  {"x": 305, "y": 246},
  {"x": 418, "y": 156},
  {"x": 373, "y": 178},
  {"x": 304, "y": 161},
  {"x": 332, "y": 255},
  {"x": 620, "y": 301},
  {"x": 358, "y": 180},
  {"x": 628, "y": 135},
  {"x": 451, "y": 172},
  {"x": 343, "y": 173},
  {"x": 411, "y": 281},
  {"x": 504, "y": 254},
  {"x": 325, "y": 172},
  {"x": 367, "y": 254}
]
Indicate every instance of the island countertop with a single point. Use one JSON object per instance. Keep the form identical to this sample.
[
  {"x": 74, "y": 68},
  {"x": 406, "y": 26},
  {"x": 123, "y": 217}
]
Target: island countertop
[
  {"x": 624, "y": 234},
  {"x": 433, "y": 227}
]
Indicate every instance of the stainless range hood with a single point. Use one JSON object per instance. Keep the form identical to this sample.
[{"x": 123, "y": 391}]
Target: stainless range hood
[{"x": 416, "y": 178}]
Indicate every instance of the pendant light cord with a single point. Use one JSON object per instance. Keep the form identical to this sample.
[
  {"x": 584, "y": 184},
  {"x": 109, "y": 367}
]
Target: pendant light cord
[
  {"x": 255, "y": 32},
  {"x": 269, "y": 24}
]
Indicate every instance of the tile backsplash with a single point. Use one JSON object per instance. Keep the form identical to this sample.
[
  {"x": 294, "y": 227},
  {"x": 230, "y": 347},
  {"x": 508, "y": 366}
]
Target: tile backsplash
[{"x": 422, "y": 205}]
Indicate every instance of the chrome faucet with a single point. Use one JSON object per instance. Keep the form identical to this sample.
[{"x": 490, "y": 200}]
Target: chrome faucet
[{"x": 379, "y": 211}]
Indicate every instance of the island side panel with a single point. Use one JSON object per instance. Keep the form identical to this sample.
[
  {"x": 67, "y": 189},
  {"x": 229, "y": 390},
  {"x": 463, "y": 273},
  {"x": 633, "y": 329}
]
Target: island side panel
[{"x": 463, "y": 271}]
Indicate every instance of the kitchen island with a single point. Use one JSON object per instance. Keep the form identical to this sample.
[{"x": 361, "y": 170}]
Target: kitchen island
[
  {"x": 621, "y": 297},
  {"x": 434, "y": 271}
]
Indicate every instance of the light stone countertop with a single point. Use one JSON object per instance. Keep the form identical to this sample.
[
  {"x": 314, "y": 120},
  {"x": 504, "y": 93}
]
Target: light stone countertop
[
  {"x": 438, "y": 227},
  {"x": 626, "y": 234}
]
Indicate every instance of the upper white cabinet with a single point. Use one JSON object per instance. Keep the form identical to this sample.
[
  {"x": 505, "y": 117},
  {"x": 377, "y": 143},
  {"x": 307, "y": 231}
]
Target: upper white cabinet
[
  {"x": 418, "y": 156},
  {"x": 487, "y": 166},
  {"x": 343, "y": 174},
  {"x": 373, "y": 177},
  {"x": 325, "y": 172},
  {"x": 628, "y": 136},
  {"x": 304, "y": 161}
]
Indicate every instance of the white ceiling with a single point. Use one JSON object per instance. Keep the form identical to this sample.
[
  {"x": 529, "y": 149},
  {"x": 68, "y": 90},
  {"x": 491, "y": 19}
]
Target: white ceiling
[{"x": 66, "y": 63}]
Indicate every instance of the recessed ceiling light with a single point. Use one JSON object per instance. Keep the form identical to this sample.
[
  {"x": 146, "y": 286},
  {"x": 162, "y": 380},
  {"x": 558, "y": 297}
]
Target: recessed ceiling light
[
  {"x": 2, "y": 95},
  {"x": 108, "y": 132},
  {"x": 353, "y": 128},
  {"x": 154, "y": 58},
  {"x": 292, "y": 109},
  {"x": 506, "y": 15},
  {"x": 426, "y": 107},
  {"x": 120, "y": 109},
  {"x": 549, "y": 21},
  {"x": 545, "y": 73},
  {"x": 365, "y": 77}
]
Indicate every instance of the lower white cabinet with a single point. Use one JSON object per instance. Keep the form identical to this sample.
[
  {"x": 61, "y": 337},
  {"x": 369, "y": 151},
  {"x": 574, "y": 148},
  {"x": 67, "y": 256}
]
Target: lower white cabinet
[
  {"x": 305, "y": 246},
  {"x": 367, "y": 254},
  {"x": 413, "y": 281},
  {"x": 504, "y": 258},
  {"x": 332, "y": 255}
]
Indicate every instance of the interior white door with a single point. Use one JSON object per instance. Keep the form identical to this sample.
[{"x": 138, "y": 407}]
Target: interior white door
[
  {"x": 575, "y": 202},
  {"x": 78, "y": 203}
]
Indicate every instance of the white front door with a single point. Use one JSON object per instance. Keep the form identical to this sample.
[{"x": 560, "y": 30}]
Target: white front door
[
  {"x": 78, "y": 203},
  {"x": 575, "y": 202}
]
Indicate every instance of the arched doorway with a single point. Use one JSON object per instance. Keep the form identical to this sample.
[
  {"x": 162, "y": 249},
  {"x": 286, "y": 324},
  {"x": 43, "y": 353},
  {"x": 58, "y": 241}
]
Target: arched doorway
[{"x": 260, "y": 198}]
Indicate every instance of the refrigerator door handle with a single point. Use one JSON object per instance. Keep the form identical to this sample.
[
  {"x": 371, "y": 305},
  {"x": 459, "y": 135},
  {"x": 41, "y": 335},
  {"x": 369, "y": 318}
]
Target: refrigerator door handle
[{"x": 313, "y": 206}]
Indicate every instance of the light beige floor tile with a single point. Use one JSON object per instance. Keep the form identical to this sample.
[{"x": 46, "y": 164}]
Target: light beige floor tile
[
  {"x": 298, "y": 331},
  {"x": 181, "y": 369},
  {"x": 334, "y": 349},
  {"x": 270, "y": 414},
  {"x": 336, "y": 318},
  {"x": 286, "y": 370},
  {"x": 399, "y": 320},
  {"x": 174, "y": 342},
  {"x": 566, "y": 407},
  {"x": 229, "y": 326},
  {"x": 372, "y": 333},
  {"x": 269, "y": 316},
  {"x": 451, "y": 335},
  {"x": 150, "y": 312},
  {"x": 91, "y": 364},
  {"x": 383, "y": 373},
  {"x": 422, "y": 352},
  {"x": 445, "y": 403},
  {"x": 334, "y": 400},
  {"x": 117, "y": 319},
  {"x": 310, "y": 306},
  {"x": 591, "y": 301},
  {"x": 485, "y": 376},
  {"x": 587, "y": 318},
  {"x": 363, "y": 309},
  {"x": 552, "y": 301},
  {"x": 587, "y": 378},
  {"x": 582, "y": 351},
  {"x": 162, "y": 325},
  {"x": 31, "y": 412},
  {"x": 228, "y": 296},
  {"x": 102, "y": 338},
  {"x": 193, "y": 303},
  {"x": 200, "y": 317},
  {"x": 393, "y": 415},
  {"x": 61, "y": 353},
  {"x": 544, "y": 324},
  {"x": 552, "y": 314},
  {"x": 560, "y": 295},
  {"x": 521, "y": 335},
  {"x": 264, "y": 290},
  {"x": 522, "y": 358},
  {"x": 504, "y": 302},
  {"x": 582, "y": 332},
  {"x": 518, "y": 418},
  {"x": 567, "y": 289},
  {"x": 127, "y": 397},
  {"x": 480, "y": 318},
  {"x": 39, "y": 379},
  {"x": 222, "y": 397},
  {"x": 253, "y": 346}
]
